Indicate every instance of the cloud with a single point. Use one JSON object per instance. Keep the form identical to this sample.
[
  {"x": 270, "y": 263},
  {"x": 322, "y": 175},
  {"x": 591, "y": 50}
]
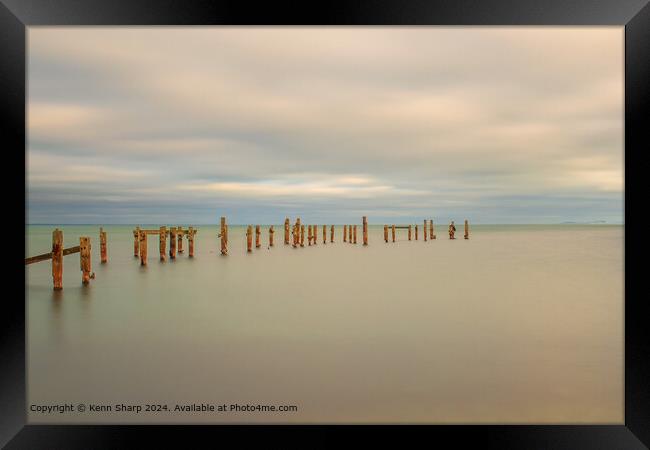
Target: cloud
[{"x": 399, "y": 121}]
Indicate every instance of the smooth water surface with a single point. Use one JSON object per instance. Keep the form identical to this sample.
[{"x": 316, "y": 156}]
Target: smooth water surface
[{"x": 518, "y": 324}]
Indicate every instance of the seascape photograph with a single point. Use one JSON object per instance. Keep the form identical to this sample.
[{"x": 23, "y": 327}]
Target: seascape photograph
[{"x": 325, "y": 225}]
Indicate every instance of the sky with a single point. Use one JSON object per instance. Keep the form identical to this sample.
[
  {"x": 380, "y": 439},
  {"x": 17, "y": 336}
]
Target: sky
[{"x": 164, "y": 125}]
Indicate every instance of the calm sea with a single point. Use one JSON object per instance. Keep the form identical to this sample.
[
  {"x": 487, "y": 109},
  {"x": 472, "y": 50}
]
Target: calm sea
[{"x": 518, "y": 324}]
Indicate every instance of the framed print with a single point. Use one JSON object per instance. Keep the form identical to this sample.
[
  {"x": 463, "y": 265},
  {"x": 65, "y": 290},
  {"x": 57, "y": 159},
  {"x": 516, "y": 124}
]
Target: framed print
[{"x": 363, "y": 214}]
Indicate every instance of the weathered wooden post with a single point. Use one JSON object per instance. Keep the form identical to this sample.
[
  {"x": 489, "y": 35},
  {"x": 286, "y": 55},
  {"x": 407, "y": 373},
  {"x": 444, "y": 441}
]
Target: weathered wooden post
[
  {"x": 315, "y": 234},
  {"x": 296, "y": 235},
  {"x": 249, "y": 238},
  {"x": 190, "y": 241},
  {"x": 172, "y": 243},
  {"x": 355, "y": 234},
  {"x": 416, "y": 232},
  {"x": 309, "y": 235},
  {"x": 286, "y": 231},
  {"x": 452, "y": 230},
  {"x": 84, "y": 259},
  {"x": 424, "y": 229},
  {"x": 136, "y": 241},
  {"x": 143, "y": 248},
  {"x": 271, "y": 232},
  {"x": 223, "y": 234},
  {"x": 302, "y": 235},
  {"x": 102, "y": 245},
  {"x": 162, "y": 234},
  {"x": 466, "y": 229},
  {"x": 257, "y": 236},
  {"x": 179, "y": 233},
  {"x": 57, "y": 259},
  {"x": 409, "y": 232},
  {"x": 393, "y": 232},
  {"x": 324, "y": 234},
  {"x": 332, "y": 234},
  {"x": 345, "y": 233},
  {"x": 365, "y": 230},
  {"x": 385, "y": 233},
  {"x": 431, "y": 235}
]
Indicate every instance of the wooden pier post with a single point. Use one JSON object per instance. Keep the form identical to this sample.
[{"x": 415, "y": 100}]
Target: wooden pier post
[
  {"x": 466, "y": 229},
  {"x": 302, "y": 235},
  {"x": 355, "y": 234},
  {"x": 223, "y": 234},
  {"x": 332, "y": 234},
  {"x": 365, "y": 230},
  {"x": 424, "y": 229},
  {"x": 271, "y": 232},
  {"x": 57, "y": 259},
  {"x": 409, "y": 232},
  {"x": 315, "y": 230},
  {"x": 385, "y": 233},
  {"x": 172, "y": 243},
  {"x": 286, "y": 231},
  {"x": 324, "y": 234},
  {"x": 249, "y": 238},
  {"x": 452, "y": 230},
  {"x": 143, "y": 248},
  {"x": 84, "y": 259},
  {"x": 190, "y": 241},
  {"x": 257, "y": 236},
  {"x": 416, "y": 232},
  {"x": 296, "y": 234},
  {"x": 102, "y": 245},
  {"x": 432, "y": 234},
  {"x": 345, "y": 233},
  {"x": 162, "y": 234},
  {"x": 136, "y": 241},
  {"x": 179, "y": 233},
  {"x": 393, "y": 232},
  {"x": 309, "y": 235}
]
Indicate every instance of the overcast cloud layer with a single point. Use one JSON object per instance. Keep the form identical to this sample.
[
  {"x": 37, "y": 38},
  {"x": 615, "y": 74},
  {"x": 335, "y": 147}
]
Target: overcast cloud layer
[{"x": 183, "y": 125}]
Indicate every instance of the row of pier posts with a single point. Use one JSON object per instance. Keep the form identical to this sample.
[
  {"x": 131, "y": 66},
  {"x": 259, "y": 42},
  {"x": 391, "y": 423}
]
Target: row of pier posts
[
  {"x": 258, "y": 233},
  {"x": 58, "y": 252},
  {"x": 292, "y": 235},
  {"x": 175, "y": 242},
  {"x": 427, "y": 233}
]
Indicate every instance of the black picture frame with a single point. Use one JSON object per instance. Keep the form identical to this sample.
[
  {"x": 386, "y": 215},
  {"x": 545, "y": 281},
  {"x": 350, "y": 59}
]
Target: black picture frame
[{"x": 16, "y": 15}]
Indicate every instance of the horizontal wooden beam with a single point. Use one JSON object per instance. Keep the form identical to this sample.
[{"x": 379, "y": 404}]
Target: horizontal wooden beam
[
  {"x": 38, "y": 258},
  {"x": 71, "y": 250},
  {"x": 158, "y": 231},
  {"x": 151, "y": 231},
  {"x": 46, "y": 256}
]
